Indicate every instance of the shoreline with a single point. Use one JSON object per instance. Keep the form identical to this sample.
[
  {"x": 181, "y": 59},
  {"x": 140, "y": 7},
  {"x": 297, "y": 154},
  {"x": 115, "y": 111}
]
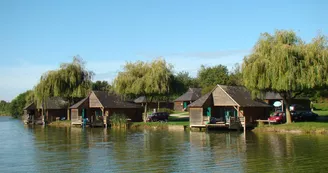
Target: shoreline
[{"x": 297, "y": 128}]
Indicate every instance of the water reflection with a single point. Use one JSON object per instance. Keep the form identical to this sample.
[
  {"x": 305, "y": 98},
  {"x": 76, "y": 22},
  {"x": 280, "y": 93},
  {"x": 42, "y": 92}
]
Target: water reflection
[{"x": 50, "y": 149}]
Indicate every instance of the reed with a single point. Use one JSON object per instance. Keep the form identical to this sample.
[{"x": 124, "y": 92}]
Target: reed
[{"x": 118, "y": 121}]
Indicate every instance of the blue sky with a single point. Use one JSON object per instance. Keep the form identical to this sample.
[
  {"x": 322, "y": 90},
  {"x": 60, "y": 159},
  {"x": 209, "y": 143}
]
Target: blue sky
[{"x": 36, "y": 35}]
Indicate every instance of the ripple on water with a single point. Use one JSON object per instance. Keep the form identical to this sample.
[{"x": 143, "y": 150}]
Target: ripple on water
[{"x": 37, "y": 149}]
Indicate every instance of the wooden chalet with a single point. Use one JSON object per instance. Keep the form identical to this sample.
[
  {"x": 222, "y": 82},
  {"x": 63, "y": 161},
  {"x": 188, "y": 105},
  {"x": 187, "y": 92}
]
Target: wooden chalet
[
  {"x": 98, "y": 106},
  {"x": 227, "y": 107},
  {"x": 182, "y": 102},
  {"x": 154, "y": 104},
  {"x": 55, "y": 108}
]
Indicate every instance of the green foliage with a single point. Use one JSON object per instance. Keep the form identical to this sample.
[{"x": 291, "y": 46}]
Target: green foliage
[
  {"x": 320, "y": 106},
  {"x": 236, "y": 76},
  {"x": 71, "y": 80},
  {"x": 285, "y": 64},
  {"x": 170, "y": 111},
  {"x": 209, "y": 77},
  {"x": 142, "y": 78},
  {"x": 101, "y": 86},
  {"x": 181, "y": 82},
  {"x": 4, "y": 107},
  {"x": 148, "y": 79},
  {"x": 17, "y": 105},
  {"x": 118, "y": 121}
]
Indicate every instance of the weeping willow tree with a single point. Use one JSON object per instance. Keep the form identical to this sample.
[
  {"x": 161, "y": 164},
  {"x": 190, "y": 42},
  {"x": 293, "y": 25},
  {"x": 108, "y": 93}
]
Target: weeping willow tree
[
  {"x": 285, "y": 64},
  {"x": 70, "y": 81},
  {"x": 140, "y": 78}
]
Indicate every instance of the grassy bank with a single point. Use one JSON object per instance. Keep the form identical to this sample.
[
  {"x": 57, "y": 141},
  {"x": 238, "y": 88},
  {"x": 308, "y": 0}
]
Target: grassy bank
[
  {"x": 172, "y": 121},
  {"x": 321, "y": 113},
  {"x": 299, "y": 127},
  {"x": 66, "y": 123}
]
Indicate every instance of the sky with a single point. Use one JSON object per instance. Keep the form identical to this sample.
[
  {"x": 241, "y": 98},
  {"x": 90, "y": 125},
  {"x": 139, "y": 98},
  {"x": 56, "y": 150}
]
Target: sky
[{"x": 37, "y": 35}]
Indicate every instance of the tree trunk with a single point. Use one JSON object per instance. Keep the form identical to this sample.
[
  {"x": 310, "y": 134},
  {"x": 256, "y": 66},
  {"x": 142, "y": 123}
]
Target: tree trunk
[
  {"x": 288, "y": 115},
  {"x": 145, "y": 113},
  {"x": 157, "y": 106}
]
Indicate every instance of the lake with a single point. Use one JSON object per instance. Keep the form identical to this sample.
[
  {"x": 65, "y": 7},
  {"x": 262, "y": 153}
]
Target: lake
[{"x": 50, "y": 149}]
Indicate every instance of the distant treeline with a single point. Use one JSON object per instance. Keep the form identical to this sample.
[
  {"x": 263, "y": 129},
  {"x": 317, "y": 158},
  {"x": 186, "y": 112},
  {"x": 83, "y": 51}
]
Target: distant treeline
[
  {"x": 280, "y": 62},
  {"x": 4, "y": 108}
]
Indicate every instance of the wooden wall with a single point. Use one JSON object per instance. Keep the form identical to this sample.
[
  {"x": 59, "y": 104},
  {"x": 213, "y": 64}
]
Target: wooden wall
[
  {"x": 134, "y": 114},
  {"x": 196, "y": 116},
  {"x": 178, "y": 106},
  {"x": 254, "y": 113},
  {"x": 75, "y": 116},
  {"x": 93, "y": 101},
  {"x": 221, "y": 98},
  {"x": 53, "y": 113}
]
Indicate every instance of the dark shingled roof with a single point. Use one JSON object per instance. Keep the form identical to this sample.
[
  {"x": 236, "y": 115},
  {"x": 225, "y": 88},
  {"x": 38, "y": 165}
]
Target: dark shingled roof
[
  {"x": 276, "y": 96},
  {"x": 141, "y": 99},
  {"x": 200, "y": 102},
  {"x": 78, "y": 104},
  {"x": 191, "y": 95},
  {"x": 56, "y": 103},
  {"x": 109, "y": 100},
  {"x": 51, "y": 103},
  {"x": 30, "y": 106},
  {"x": 242, "y": 96},
  {"x": 272, "y": 96}
]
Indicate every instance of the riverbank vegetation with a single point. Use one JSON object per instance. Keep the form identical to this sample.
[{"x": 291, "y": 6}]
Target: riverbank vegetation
[
  {"x": 284, "y": 63},
  {"x": 298, "y": 127},
  {"x": 4, "y": 108},
  {"x": 304, "y": 72},
  {"x": 65, "y": 123},
  {"x": 118, "y": 121}
]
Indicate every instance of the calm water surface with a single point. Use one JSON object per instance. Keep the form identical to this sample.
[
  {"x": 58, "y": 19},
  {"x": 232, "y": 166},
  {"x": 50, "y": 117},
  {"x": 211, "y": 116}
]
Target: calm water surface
[{"x": 38, "y": 149}]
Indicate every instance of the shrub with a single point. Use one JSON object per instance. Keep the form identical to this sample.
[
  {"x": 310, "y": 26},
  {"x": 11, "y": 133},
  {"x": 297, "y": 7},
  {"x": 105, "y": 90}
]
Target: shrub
[
  {"x": 118, "y": 121},
  {"x": 170, "y": 111}
]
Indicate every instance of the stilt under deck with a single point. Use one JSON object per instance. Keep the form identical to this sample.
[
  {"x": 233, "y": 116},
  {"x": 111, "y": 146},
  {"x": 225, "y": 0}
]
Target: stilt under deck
[{"x": 219, "y": 125}]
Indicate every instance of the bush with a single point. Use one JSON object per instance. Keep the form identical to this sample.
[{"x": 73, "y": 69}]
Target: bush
[
  {"x": 118, "y": 121},
  {"x": 320, "y": 106},
  {"x": 170, "y": 111}
]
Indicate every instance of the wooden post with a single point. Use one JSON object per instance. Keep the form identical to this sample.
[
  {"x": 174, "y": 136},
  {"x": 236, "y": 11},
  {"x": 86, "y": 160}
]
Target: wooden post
[
  {"x": 244, "y": 124},
  {"x": 104, "y": 117}
]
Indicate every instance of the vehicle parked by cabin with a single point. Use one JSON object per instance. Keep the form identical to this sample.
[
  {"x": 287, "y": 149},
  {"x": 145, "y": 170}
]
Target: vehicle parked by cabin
[
  {"x": 277, "y": 117},
  {"x": 158, "y": 116},
  {"x": 304, "y": 116}
]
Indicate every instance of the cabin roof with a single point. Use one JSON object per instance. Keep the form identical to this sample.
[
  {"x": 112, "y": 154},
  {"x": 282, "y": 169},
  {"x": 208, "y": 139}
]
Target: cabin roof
[
  {"x": 242, "y": 96},
  {"x": 239, "y": 95},
  {"x": 276, "y": 96},
  {"x": 201, "y": 101},
  {"x": 191, "y": 95},
  {"x": 141, "y": 99},
  {"x": 110, "y": 100},
  {"x": 79, "y": 103},
  {"x": 51, "y": 103},
  {"x": 56, "y": 103},
  {"x": 30, "y": 106}
]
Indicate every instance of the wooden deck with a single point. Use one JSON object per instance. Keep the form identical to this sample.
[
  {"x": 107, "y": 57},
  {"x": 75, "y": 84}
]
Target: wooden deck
[{"x": 263, "y": 121}]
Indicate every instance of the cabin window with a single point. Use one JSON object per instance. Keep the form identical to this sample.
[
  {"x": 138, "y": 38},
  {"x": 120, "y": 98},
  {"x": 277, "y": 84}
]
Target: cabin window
[{"x": 98, "y": 113}]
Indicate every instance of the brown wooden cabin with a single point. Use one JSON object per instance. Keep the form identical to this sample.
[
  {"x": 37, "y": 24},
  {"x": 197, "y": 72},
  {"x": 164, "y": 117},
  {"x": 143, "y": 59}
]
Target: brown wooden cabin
[
  {"x": 271, "y": 97},
  {"x": 182, "y": 102},
  {"x": 55, "y": 108},
  {"x": 98, "y": 106},
  {"x": 153, "y": 104},
  {"x": 227, "y": 106}
]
